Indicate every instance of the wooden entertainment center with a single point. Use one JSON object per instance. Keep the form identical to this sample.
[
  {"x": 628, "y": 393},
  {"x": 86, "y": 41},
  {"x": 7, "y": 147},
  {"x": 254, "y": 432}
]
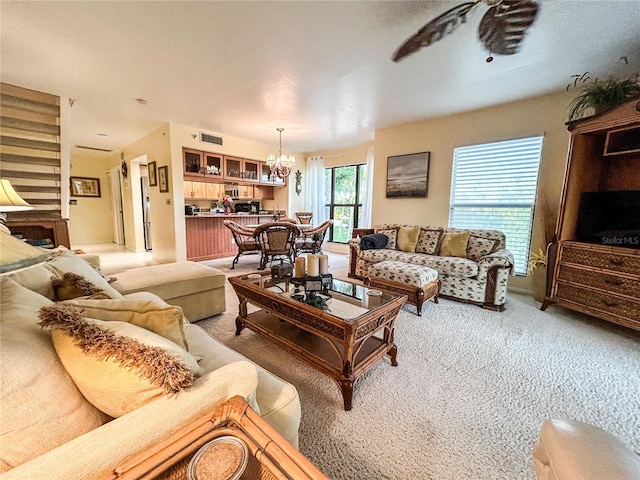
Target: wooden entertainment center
[{"x": 599, "y": 279}]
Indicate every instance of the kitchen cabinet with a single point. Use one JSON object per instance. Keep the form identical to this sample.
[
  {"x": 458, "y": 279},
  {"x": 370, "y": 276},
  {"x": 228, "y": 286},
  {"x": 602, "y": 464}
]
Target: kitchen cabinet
[
  {"x": 241, "y": 169},
  {"x": 203, "y": 190},
  {"x": 215, "y": 191},
  {"x": 263, "y": 192},
  {"x": 203, "y": 165},
  {"x": 266, "y": 178}
]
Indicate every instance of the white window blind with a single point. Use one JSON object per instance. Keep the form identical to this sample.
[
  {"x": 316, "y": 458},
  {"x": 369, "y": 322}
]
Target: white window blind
[{"x": 494, "y": 187}]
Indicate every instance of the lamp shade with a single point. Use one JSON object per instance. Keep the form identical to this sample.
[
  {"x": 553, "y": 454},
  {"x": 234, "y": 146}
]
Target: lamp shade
[{"x": 10, "y": 201}]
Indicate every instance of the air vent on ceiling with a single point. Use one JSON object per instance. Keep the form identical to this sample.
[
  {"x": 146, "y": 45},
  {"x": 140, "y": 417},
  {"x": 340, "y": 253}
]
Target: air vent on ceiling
[
  {"x": 208, "y": 138},
  {"x": 95, "y": 149}
]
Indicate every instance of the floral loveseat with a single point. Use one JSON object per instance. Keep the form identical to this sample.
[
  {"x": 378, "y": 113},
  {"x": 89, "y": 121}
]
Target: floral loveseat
[
  {"x": 478, "y": 274},
  {"x": 75, "y": 403}
]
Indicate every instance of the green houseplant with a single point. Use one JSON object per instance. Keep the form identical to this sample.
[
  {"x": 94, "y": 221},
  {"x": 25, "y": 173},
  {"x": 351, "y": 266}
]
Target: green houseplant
[{"x": 600, "y": 95}]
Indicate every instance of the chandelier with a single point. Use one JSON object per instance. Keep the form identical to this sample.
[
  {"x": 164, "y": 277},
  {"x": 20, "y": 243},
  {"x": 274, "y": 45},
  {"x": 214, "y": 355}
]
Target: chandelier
[{"x": 282, "y": 164}]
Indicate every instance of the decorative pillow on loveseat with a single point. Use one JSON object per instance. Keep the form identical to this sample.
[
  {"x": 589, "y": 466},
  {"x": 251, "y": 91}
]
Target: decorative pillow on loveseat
[
  {"x": 67, "y": 261},
  {"x": 408, "y": 238},
  {"x": 117, "y": 366},
  {"x": 151, "y": 313},
  {"x": 429, "y": 241},
  {"x": 454, "y": 245},
  {"x": 392, "y": 235},
  {"x": 478, "y": 247}
]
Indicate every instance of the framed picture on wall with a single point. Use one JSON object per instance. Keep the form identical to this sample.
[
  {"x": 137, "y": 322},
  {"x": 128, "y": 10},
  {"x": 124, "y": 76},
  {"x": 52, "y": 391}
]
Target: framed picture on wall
[
  {"x": 163, "y": 178},
  {"x": 408, "y": 175},
  {"x": 85, "y": 187},
  {"x": 153, "y": 174}
]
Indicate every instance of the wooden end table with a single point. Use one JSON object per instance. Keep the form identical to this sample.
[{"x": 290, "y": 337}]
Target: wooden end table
[
  {"x": 343, "y": 343},
  {"x": 270, "y": 455}
]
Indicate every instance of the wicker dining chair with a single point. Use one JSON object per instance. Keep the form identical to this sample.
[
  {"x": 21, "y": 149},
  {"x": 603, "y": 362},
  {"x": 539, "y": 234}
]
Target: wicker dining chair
[
  {"x": 245, "y": 240},
  {"x": 304, "y": 217},
  {"x": 277, "y": 241},
  {"x": 311, "y": 239}
]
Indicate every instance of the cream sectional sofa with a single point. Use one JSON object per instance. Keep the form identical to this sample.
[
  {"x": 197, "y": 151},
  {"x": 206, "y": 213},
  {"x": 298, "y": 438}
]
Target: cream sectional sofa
[
  {"x": 50, "y": 430},
  {"x": 479, "y": 277}
]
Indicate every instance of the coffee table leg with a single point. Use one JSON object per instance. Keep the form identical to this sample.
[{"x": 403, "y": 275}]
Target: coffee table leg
[
  {"x": 242, "y": 313},
  {"x": 347, "y": 393},
  {"x": 393, "y": 351}
]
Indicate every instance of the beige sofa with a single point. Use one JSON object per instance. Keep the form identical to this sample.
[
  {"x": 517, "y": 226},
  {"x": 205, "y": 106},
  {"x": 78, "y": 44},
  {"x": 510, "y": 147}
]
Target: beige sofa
[
  {"x": 478, "y": 275},
  {"x": 50, "y": 430}
]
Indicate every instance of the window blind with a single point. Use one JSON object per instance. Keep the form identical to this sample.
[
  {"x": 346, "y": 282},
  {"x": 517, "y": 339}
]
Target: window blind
[
  {"x": 494, "y": 187},
  {"x": 30, "y": 150}
]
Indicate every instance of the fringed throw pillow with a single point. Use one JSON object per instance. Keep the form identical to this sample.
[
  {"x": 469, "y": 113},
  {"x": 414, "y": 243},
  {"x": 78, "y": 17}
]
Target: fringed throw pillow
[
  {"x": 117, "y": 366},
  {"x": 72, "y": 285}
]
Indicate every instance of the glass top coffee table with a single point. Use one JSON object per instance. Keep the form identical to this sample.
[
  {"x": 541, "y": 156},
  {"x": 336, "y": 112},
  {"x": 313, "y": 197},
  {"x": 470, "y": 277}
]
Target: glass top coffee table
[{"x": 342, "y": 332}]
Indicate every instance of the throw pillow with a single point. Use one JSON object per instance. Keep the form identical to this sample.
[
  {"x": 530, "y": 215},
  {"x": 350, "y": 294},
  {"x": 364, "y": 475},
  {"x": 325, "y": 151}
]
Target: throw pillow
[
  {"x": 72, "y": 285},
  {"x": 117, "y": 366},
  {"x": 151, "y": 314},
  {"x": 454, "y": 245},
  {"x": 392, "y": 235},
  {"x": 15, "y": 254},
  {"x": 429, "y": 241},
  {"x": 408, "y": 238},
  {"x": 66, "y": 261},
  {"x": 478, "y": 247}
]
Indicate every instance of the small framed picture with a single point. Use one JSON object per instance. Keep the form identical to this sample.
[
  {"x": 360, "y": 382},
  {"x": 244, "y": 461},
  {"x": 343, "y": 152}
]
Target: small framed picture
[
  {"x": 85, "y": 187},
  {"x": 408, "y": 175},
  {"x": 153, "y": 174},
  {"x": 163, "y": 178}
]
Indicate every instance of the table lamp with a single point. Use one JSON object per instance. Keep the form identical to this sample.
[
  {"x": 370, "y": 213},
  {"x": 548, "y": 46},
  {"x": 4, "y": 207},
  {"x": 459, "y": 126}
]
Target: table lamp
[{"x": 10, "y": 201}]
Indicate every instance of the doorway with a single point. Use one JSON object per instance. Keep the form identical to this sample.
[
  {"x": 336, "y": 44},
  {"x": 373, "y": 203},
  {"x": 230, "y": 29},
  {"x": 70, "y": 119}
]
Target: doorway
[
  {"x": 146, "y": 217},
  {"x": 113, "y": 176}
]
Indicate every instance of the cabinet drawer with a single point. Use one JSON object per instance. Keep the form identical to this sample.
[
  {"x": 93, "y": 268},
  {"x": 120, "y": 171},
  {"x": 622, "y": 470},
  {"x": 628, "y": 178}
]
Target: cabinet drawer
[
  {"x": 602, "y": 281},
  {"x": 605, "y": 260},
  {"x": 599, "y": 301}
]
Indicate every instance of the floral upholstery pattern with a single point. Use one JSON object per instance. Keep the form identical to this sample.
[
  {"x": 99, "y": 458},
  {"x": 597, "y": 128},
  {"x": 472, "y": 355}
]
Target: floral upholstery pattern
[
  {"x": 461, "y": 278},
  {"x": 392, "y": 235},
  {"x": 429, "y": 240},
  {"x": 401, "y": 272}
]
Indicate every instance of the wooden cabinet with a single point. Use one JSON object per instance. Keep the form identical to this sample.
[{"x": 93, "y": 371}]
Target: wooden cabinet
[
  {"x": 601, "y": 280},
  {"x": 266, "y": 178},
  {"x": 241, "y": 169},
  {"x": 203, "y": 190},
  {"x": 263, "y": 192},
  {"x": 215, "y": 191},
  {"x": 55, "y": 230},
  {"x": 203, "y": 165}
]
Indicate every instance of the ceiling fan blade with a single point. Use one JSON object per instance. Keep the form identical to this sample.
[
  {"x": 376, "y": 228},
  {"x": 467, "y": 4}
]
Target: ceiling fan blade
[
  {"x": 435, "y": 30},
  {"x": 503, "y": 27}
]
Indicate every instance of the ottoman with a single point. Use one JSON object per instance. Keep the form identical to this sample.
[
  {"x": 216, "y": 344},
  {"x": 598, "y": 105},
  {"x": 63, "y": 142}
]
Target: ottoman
[
  {"x": 197, "y": 289},
  {"x": 419, "y": 283}
]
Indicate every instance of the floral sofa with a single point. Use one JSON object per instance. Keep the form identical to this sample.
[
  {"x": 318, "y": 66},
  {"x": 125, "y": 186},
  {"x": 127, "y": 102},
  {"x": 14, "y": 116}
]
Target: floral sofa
[
  {"x": 473, "y": 265},
  {"x": 87, "y": 383}
]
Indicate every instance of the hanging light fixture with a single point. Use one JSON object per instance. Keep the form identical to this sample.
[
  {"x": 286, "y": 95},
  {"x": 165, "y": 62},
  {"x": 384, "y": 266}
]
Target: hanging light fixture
[{"x": 281, "y": 165}]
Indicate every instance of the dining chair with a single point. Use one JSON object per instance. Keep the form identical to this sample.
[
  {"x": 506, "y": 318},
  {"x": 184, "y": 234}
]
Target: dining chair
[
  {"x": 277, "y": 241},
  {"x": 304, "y": 217},
  {"x": 311, "y": 239},
  {"x": 245, "y": 240}
]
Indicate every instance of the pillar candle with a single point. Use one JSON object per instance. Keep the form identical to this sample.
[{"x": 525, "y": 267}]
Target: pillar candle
[
  {"x": 312, "y": 265},
  {"x": 324, "y": 264},
  {"x": 300, "y": 267}
]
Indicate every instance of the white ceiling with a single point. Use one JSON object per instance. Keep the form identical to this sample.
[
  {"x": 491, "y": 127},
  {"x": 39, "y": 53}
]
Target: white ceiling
[{"x": 322, "y": 70}]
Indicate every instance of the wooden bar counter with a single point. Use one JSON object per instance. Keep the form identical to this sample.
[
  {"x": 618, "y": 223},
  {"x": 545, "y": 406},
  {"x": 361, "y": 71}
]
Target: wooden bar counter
[{"x": 208, "y": 238}]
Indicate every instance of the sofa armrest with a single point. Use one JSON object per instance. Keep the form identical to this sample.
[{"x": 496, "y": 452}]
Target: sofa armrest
[
  {"x": 95, "y": 454},
  {"x": 500, "y": 258}
]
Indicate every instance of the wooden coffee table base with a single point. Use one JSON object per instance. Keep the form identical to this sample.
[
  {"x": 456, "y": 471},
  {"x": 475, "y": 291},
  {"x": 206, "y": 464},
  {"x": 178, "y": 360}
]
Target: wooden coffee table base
[{"x": 341, "y": 349}]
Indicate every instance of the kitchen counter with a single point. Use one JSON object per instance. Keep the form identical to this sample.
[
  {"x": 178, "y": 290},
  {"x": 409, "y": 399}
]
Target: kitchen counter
[{"x": 229, "y": 215}]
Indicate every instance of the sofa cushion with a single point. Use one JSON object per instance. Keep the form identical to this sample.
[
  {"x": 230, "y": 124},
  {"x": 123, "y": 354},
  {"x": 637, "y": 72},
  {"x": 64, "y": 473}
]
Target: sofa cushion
[
  {"x": 36, "y": 278},
  {"x": 72, "y": 285},
  {"x": 429, "y": 240},
  {"x": 170, "y": 280},
  {"x": 152, "y": 314},
  {"x": 16, "y": 254},
  {"x": 116, "y": 365},
  {"x": 392, "y": 235},
  {"x": 407, "y": 239},
  {"x": 454, "y": 245},
  {"x": 67, "y": 261},
  {"x": 34, "y": 420},
  {"x": 454, "y": 266},
  {"x": 478, "y": 247}
]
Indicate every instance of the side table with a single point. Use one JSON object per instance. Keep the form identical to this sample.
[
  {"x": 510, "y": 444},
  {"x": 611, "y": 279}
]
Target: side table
[{"x": 270, "y": 455}]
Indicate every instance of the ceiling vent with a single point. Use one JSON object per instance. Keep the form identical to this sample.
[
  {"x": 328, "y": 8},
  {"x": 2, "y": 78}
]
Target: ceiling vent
[
  {"x": 208, "y": 138},
  {"x": 95, "y": 149}
]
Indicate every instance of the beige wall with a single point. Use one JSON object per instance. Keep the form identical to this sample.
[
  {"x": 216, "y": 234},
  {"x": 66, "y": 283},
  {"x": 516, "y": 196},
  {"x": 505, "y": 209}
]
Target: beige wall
[
  {"x": 543, "y": 115},
  {"x": 90, "y": 218}
]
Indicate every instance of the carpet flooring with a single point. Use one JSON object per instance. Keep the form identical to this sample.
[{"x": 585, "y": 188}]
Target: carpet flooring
[{"x": 469, "y": 394}]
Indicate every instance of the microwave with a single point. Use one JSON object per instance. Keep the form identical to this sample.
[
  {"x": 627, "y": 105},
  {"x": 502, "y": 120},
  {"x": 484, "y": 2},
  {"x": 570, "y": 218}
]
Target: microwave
[{"x": 246, "y": 207}]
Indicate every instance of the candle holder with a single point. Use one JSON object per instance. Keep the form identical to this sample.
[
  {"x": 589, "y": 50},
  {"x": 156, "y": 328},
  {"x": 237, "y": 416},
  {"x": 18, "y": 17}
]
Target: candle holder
[
  {"x": 321, "y": 283},
  {"x": 327, "y": 281}
]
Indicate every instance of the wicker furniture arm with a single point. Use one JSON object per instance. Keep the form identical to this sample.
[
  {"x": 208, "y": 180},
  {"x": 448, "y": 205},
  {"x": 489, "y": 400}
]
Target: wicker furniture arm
[
  {"x": 354, "y": 247},
  {"x": 244, "y": 239},
  {"x": 311, "y": 240}
]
